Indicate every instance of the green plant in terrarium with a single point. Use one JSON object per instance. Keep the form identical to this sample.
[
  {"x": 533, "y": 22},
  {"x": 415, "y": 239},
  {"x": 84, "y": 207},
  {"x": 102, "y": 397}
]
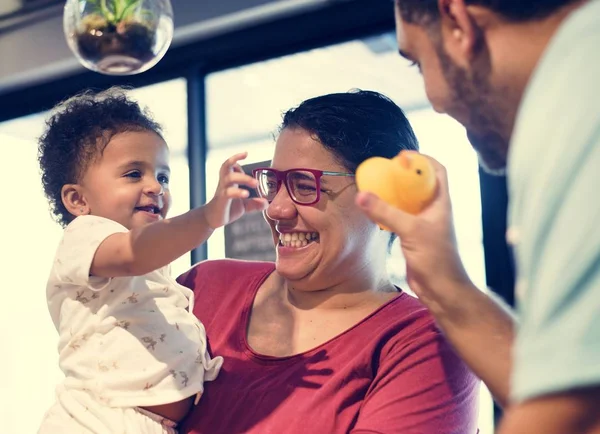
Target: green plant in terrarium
[
  {"x": 118, "y": 37},
  {"x": 114, "y": 12}
]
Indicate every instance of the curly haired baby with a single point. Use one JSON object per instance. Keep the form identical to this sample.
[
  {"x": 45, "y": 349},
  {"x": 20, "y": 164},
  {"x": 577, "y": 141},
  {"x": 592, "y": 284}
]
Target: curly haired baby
[{"x": 134, "y": 356}]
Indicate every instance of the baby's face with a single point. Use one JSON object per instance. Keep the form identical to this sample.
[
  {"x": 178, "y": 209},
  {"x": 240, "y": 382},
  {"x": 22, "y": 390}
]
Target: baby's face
[{"x": 129, "y": 182}]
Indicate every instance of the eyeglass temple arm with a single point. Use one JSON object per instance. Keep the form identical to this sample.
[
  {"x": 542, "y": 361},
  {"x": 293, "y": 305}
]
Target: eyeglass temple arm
[{"x": 337, "y": 174}]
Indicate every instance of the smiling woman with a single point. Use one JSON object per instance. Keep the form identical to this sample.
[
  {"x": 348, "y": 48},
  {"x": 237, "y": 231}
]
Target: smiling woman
[
  {"x": 244, "y": 107},
  {"x": 322, "y": 340}
]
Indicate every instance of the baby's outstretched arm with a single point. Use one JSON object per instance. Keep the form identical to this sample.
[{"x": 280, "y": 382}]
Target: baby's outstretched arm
[{"x": 150, "y": 247}]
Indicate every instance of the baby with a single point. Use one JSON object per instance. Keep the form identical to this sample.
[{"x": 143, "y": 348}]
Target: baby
[{"x": 134, "y": 356}]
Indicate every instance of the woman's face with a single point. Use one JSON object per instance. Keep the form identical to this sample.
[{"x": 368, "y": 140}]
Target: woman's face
[{"x": 320, "y": 245}]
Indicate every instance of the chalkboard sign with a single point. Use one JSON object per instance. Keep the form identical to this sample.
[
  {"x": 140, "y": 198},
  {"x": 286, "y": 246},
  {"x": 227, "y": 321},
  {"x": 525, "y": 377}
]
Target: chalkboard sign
[{"x": 250, "y": 237}]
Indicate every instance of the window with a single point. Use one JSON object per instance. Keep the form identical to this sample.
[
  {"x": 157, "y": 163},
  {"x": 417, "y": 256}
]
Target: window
[
  {"x": 168, "y": 103},
  {"x": 244, "y": 108},
  {"x": 30, "y": 238}
]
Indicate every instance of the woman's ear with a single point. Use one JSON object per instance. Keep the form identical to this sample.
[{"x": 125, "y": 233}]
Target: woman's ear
[{"x": 74, "y": 200}]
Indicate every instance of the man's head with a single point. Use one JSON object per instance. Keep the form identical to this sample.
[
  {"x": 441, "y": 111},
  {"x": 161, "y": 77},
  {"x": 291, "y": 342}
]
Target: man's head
[{"x": 476, "y": 57}]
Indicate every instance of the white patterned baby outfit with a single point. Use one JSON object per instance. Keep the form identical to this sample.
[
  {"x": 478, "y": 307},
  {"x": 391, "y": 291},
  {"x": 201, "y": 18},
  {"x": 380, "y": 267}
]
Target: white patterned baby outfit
[{"x": 124, "y": 342}]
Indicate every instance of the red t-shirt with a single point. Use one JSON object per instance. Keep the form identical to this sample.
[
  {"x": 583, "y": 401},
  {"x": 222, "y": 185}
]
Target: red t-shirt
[{"x": 391, "y": 373}]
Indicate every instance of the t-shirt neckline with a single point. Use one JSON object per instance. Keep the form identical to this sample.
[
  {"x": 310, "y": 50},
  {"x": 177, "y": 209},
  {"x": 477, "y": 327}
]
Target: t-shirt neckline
[{"x": 267, "y": 359}]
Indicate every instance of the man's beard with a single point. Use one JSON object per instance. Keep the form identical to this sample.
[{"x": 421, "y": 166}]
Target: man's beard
[
  {"x": 472, "y": 96},
  {"x": 487, "y": 147}
]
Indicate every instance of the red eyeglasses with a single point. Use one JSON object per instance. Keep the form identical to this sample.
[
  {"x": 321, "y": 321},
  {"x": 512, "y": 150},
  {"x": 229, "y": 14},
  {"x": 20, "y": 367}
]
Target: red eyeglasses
[{"x": 303, "y": 185}]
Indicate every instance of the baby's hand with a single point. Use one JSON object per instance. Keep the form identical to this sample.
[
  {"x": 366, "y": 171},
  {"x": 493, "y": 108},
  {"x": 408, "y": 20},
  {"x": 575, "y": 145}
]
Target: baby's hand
[{"x": 230, "y": 201}]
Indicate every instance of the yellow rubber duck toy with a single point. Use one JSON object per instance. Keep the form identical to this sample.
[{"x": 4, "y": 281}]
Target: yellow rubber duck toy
[{"x": 406, "y": 181}]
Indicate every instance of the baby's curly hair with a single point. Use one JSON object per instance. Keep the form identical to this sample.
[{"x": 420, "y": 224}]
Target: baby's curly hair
[{"x": 77, "y": 132}]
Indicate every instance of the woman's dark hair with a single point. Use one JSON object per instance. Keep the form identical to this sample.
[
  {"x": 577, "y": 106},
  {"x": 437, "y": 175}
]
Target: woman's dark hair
[
  {"x": 354, "y": 126},
  {"x": 77, "y": 132}
]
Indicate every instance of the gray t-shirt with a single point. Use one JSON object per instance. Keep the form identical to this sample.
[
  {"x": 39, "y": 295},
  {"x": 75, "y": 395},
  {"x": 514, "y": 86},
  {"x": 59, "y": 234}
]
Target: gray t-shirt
[{"x": 554, "y": 181}]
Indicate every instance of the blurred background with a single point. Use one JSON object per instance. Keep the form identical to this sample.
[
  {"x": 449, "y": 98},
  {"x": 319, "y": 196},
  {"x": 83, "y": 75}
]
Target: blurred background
[{"x": 234, "y": 67}]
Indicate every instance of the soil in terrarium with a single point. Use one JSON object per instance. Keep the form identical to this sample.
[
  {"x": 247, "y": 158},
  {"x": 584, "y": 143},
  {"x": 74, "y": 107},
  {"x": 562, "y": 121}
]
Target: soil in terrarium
[{"x": 100, "y": 39}]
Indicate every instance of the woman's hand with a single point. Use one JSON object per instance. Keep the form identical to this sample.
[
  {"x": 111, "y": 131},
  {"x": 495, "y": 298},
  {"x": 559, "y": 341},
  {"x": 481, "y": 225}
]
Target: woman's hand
[{"x": 230, "y": 202}]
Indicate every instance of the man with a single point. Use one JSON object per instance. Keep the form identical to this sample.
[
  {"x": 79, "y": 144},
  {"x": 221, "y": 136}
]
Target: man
[{"x": 524, "y": 73}]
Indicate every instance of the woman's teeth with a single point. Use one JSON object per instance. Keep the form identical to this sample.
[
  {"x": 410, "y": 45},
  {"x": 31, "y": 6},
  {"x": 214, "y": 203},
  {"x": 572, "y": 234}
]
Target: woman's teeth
[{"x": 297, "y": 239}]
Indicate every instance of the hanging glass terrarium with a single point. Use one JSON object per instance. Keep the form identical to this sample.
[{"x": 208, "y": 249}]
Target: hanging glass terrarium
[{"x": 118, "y": 37}]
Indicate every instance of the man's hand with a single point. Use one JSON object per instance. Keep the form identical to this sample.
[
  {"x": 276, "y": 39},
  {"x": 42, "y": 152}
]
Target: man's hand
[
  {"x": 480, "y": 329},
  {"x": 230, "y": 202},
  {"x": 572, "y": 412},
  {"x": 428, "y": 241}
]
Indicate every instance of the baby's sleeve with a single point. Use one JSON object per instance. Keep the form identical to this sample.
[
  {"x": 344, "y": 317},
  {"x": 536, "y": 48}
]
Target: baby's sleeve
[{"x": 75, "y": 254}]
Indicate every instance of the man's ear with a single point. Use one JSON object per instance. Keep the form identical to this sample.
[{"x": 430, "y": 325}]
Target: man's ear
[
  {"x": 74, "y": 200},
  {"x": 459, "y": 31}
]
